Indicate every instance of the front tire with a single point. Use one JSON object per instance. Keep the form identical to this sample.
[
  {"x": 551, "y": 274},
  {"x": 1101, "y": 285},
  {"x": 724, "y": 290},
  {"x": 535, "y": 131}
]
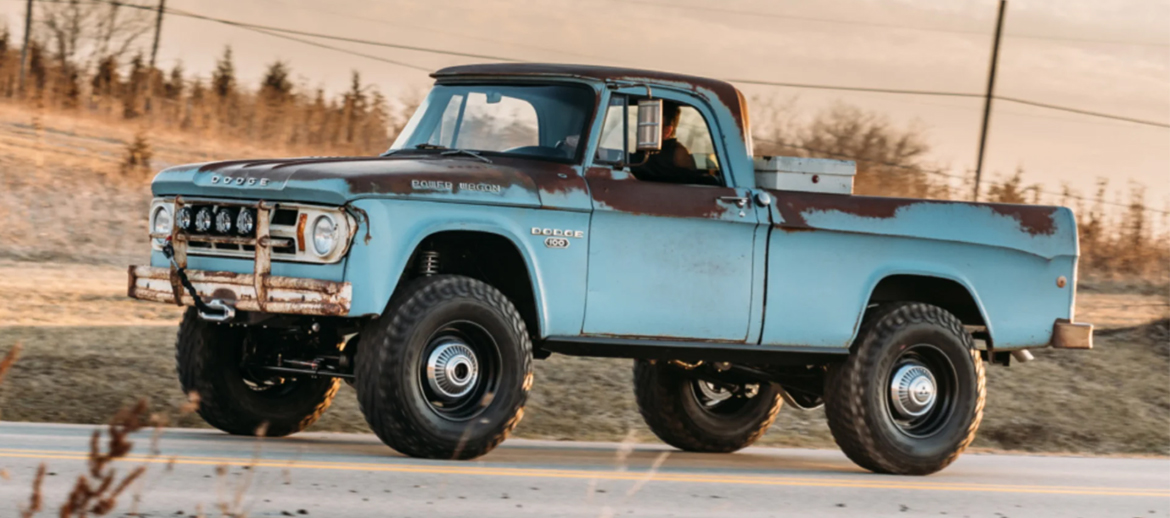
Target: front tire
[
  {"x": 209, "y": 358},
  {"x": 444, "y": 373},
  {"x": 910, "y": 396},
  {"x": 694, "y": 415}
]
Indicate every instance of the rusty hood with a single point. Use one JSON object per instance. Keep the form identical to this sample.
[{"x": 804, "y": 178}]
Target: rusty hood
[{"x": 337, "y": 180}]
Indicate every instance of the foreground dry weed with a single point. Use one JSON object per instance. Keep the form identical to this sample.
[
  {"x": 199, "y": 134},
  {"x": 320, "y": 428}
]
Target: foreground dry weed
[
  {"x": 36, "y": 500},
  {"x": 9, "y": 360},
  {"x": 97, "y": 492}
]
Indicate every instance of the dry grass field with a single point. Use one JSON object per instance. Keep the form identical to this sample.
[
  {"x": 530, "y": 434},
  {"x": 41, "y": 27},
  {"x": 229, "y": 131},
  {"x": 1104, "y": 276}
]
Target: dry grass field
[{"x": 89, "y": 350}]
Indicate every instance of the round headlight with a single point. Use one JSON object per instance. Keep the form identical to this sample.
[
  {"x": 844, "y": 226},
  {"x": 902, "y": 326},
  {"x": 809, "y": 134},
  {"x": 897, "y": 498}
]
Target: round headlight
[
  {"x": 223, "y": 220},
  {"x": 245, "y": 222},
  {"x": 203, "y": 220},
  {"x": 161, "y": 220},
  {"x": 183, "y": 218},
  {"x": 324, "y": 235}
]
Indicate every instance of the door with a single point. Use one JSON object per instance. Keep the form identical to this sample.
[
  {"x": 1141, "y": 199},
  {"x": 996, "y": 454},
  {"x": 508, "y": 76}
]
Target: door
[{"x": 670, "y": 255}]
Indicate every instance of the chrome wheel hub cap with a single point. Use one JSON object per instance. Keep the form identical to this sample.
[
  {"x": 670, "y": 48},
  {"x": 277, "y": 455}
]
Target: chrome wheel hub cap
[
  {"x": 712, "y": 394},
  {"x": 913, "y": 391},
  {"x": 452, "y": 369}
]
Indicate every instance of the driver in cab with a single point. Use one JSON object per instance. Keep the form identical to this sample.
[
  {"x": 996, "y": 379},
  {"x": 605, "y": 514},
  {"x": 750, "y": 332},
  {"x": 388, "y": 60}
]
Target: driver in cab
[{"x": 674, "y": 163}]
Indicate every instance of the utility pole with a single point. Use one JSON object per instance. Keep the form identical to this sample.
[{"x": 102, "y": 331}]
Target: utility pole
[
  {"x": 28, "y": 15},
  {"x": 162, "y": 5},
  {"x": 988, "y": 97}
]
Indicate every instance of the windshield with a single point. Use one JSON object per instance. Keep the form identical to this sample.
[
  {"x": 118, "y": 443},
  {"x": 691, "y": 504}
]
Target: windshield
[{"x": 542, "y": 121}]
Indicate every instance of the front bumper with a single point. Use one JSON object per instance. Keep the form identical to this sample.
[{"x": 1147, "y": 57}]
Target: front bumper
[
  {"x": 290, "y": 295},
  {"x": 259, "y": 291}
]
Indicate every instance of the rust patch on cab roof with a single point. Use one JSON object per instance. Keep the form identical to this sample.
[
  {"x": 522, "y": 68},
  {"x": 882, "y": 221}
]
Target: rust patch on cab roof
[{"x": 794, "y": 206}]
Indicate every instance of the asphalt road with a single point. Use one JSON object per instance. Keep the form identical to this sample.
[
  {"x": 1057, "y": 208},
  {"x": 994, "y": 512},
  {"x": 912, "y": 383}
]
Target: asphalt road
[{"x": 341, "y": 475}]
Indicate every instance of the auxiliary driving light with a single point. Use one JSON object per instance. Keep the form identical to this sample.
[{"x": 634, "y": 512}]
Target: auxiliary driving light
[
  {"x": 203, "y": 220},
  {"x": 223, "y": 221},
  {"x": 183, "y": 218},
  {"x": 245, "y": 222},
  {"x": 324, "y": 235}
]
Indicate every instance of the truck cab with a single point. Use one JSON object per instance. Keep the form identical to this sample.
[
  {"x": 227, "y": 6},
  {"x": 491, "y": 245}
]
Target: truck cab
[{"x": 532, "y": 209}]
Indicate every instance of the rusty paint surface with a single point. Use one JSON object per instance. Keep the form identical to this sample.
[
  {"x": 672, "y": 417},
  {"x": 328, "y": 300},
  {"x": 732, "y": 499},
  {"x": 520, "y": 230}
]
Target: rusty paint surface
[
  {"x": 721, "y": 91},
  {"x": 242, "y": 279},
  {"x": 263, "y": 260},
  {"x": 394, "y": 174},
  {"x": 656, "y": 199},
  {"x": 360, "y": 216},
  {"x": 1034, "y": 219},
  {"x": 290, "y": 295},
  {"x": 794, "y": 206}
]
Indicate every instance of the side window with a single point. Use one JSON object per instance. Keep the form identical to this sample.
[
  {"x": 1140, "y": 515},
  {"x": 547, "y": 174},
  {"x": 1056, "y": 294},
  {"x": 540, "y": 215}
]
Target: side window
[
  {"x": 693, "y": 134},
  {"x": 688, "y": 153},
  {"x": 611, "y": 148}
]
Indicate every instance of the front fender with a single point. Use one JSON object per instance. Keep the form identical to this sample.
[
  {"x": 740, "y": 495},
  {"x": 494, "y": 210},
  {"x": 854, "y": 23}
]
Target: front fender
[{"x": 397, "y": 227}]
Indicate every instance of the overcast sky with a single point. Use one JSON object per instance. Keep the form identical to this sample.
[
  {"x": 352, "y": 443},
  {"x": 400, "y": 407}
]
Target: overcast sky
[{"x": 1106, "y": 56}]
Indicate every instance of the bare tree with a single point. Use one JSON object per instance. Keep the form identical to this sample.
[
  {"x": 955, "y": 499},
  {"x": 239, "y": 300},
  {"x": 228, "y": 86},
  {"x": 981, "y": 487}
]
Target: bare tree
[
  {"x": 890, "y": 160},
  {"x": 82, "y": 33}
]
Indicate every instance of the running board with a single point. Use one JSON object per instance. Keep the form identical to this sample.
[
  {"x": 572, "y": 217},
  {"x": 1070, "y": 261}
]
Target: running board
[{"x": 648, "y": 349}]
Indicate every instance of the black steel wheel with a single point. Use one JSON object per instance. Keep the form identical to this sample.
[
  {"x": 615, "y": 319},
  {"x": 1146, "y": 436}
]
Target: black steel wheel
[
  {"x": 702, "y": 416},
  {"x": 461, "y": 367},
  {"x": 211, "y": 360},
  {"x": 910, "y": 397},
  {"x": 444, "y": 373}
]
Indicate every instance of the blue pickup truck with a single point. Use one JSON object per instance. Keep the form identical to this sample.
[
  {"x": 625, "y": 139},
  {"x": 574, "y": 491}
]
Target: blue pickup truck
[{"x": 531, "y": 209}]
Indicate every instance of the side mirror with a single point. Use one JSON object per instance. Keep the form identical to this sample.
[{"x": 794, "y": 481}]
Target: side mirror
[{"x": 649, "y": 125}]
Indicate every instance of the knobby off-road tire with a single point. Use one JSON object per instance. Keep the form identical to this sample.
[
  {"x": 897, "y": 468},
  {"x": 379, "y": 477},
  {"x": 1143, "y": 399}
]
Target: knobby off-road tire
[
  {"x": 427, "y": 327},
  {"x": 881, "y": 434},
  {"x": 208, "y": 357},
  {"x": 674, "y": 408}
]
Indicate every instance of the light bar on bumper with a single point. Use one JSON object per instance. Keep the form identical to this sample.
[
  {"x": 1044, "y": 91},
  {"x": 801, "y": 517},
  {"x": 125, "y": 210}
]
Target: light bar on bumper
[
  {"x": 291, "y": 240},
  {"x": 258, "y": 291}
]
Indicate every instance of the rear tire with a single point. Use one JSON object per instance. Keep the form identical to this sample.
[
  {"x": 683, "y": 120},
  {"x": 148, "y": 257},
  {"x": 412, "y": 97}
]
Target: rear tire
[
  {"x": 910, "y": 396},
  {"x": 444, "y": 373},
  {"x": 693, "y": 417},
  {"x": 208, "y": 359}
]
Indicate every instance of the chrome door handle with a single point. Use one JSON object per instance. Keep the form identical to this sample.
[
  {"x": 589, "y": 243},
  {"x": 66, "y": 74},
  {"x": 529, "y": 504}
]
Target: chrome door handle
[{"x": 739, "y": 201}]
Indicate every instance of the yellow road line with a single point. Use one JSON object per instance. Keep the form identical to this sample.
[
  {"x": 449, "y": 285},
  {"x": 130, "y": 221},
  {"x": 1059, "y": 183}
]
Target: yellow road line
[
  {"x": 600, "y": 475},
  {"x": 536, "y": 472}
]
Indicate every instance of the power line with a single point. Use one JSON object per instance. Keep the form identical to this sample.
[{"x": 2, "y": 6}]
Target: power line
[
  {"x": 458, "y": 34},
  {"x": 245, "y": 26},
  {"x": 951, "y": 94},
  {"x": 273, "y": 34},
  {"x": 1083, "y": 112},
  {"x": 334, "y": 37},
  {"x": 943, "y": 174},
  {"x": 853, "y": 88},
  {"x": 1086, "y": 40},
  {"x": 276, "y": 32},
  {"x": 339, "y": 49},
  {"x": 839, "y": 21},
  {"x": 270, "y": 30}
]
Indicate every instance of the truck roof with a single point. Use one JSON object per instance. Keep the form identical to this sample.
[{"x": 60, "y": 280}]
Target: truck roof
[{"x": 714, "y": 90}]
